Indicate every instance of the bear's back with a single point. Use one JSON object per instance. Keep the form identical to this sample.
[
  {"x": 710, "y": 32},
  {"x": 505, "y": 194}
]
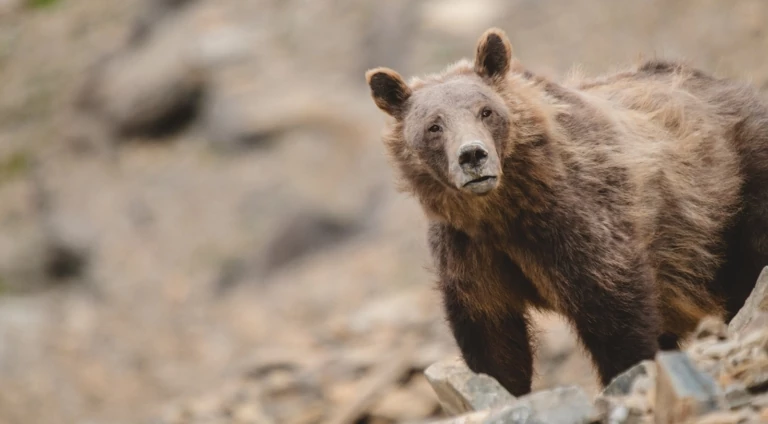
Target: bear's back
[{"x": 674, "y": 137}]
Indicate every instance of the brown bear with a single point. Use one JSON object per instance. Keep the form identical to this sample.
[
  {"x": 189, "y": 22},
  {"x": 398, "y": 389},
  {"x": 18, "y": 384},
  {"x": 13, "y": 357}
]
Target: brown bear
[{"x": 633, "y": 204}]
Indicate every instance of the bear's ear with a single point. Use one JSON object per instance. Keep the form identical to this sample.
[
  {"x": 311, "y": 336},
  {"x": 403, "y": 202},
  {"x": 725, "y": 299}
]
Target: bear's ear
[
  {"x": 388, "y": 90},
  {"x": 494, "y": 54}
]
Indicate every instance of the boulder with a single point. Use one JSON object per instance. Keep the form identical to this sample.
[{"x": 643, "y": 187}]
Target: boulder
[
  {"x": 756, "y": 303},
  {"x": 682, "y": 391},
  {"x": 460, "y": 390},
  {"x": 622, "y": 384},
  {"x": 562, "y": 405}
]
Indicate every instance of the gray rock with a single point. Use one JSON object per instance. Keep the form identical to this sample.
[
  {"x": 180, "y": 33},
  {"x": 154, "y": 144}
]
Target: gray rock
[
  {"x": 737, "y": 396},
  {"x": 682, "y": 391},
  {"x": 756, "y": 302},
  {"x": 150, "y": 89},
  {"x": 562, "y": 405},
  {"x": 7, "y": 7},
  {"x": 621, "y": 385},
  {"x": 476, "y": 417},
  {"x": 460, "y": 390},
  {"x": 45, "y": 248},
  {"x": 757, "y": 322},
  {"x": 513, "y": 415}
]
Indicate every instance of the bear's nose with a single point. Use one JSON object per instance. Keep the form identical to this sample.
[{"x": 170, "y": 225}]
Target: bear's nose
[{"x": 472, "y": 155}]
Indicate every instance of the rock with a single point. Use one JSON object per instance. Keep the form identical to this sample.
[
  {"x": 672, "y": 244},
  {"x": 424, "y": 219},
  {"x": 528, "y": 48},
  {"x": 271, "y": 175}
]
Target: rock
[
  {"x": 682, "y": 391},
  {"x": 152, "y": 89},
  {"x": 563, "y": 405},
  {"x": 304, "y": 234},
  {"x": 737, "y": 396},
  {"x": 152, "y": 14},
  {"x": 477, "y": 417},
  {"x": 622, "y": 384},
  {"x": 612, "y": 411},
  {"x": 47, "y": 250},
  {"x": 512, "y": 415},
  {"x": 236, "y": 118},
  {"x": 460, "y": 390},
  {"x": 629, "y": 397},
  {"x": 8, "y": 7},
  {"x": 758, "y": 321},
  {"x": 756, "y": 302},
  {"x": 711, "y": 327}
]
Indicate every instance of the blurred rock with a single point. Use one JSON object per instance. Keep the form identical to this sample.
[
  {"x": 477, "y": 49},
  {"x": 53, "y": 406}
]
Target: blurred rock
[
  {"x": 460, "y": 390},
  {"x": 737, "y": 396},
  {"x": 756, "y": 303},
  {"x": 683, "y": 392},
  {"x": 402, "y": 405},
  {"x": 45, "y": 248},
  {"x": 410, "y": 310},
  {"x": 711, "y": 327},
  {"x": 8, "y": 7},
  {"x": 239, "y": 117},
  {"x": 622, "y": 384},
  {"x": 304, "y": 234},
  {"x": 153, "y": 89},
  {"x": 152, "y": 13}
]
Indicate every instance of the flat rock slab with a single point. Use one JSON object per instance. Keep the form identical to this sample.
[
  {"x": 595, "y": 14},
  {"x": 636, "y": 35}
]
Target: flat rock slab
[
  {"x": 460, "y": 390},
  {"x": 562, "y": 405},
  {"x": 682, "y": 391},
  {"x": 756, "y": 303}
]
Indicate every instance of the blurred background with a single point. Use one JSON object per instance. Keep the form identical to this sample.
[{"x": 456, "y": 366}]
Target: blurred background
[{"x": 197, "y": 220}]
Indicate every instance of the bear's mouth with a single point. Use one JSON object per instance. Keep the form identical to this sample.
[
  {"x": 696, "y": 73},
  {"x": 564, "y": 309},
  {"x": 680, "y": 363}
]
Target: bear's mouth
[
  {"x": 481, "y": 180},
  {"x": 481, "y": 185}
]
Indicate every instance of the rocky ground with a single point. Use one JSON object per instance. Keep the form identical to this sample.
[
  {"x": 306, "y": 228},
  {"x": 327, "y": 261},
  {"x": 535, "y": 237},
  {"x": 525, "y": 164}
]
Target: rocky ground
[
  {"x": 197, "y": 222},
  {"x": 719, "y": 377}
]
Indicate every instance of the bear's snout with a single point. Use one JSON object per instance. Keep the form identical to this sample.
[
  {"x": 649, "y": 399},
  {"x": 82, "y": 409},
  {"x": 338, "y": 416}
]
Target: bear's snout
[
  {"x": 472, "y": 155},
  {"x": 476, "y": 168}
]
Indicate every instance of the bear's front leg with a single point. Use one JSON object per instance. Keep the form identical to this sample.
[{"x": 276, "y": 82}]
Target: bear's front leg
[
  {"x": 615, "y": 313},
  {"x": 497, "y": 346},
  {"x": 487, "y": 319}
]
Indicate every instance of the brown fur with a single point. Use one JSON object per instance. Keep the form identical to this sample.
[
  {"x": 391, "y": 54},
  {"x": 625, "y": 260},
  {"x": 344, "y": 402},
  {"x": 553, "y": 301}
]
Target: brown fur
[{"x": 633, "y": 204}]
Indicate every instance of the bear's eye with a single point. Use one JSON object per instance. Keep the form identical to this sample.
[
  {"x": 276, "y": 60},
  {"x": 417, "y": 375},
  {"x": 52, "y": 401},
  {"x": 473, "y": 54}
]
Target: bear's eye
[
  {"x": 486, "y": 113},
  {"x": 435, "y": 128}
]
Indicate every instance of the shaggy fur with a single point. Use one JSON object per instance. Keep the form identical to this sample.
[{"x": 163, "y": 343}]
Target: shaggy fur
[{"x": 633, "y": 204}]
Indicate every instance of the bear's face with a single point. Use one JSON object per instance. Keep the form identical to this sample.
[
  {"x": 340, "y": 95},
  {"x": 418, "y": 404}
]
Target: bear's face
[
  {"x": 458, "y": 129},
  {"x": 455, "y": 129}
]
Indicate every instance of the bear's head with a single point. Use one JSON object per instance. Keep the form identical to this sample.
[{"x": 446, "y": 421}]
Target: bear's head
[{"x": 453, "y": 131}]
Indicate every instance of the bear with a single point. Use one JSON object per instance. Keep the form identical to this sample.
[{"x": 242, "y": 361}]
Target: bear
[{"x": 632, "y": 204}]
